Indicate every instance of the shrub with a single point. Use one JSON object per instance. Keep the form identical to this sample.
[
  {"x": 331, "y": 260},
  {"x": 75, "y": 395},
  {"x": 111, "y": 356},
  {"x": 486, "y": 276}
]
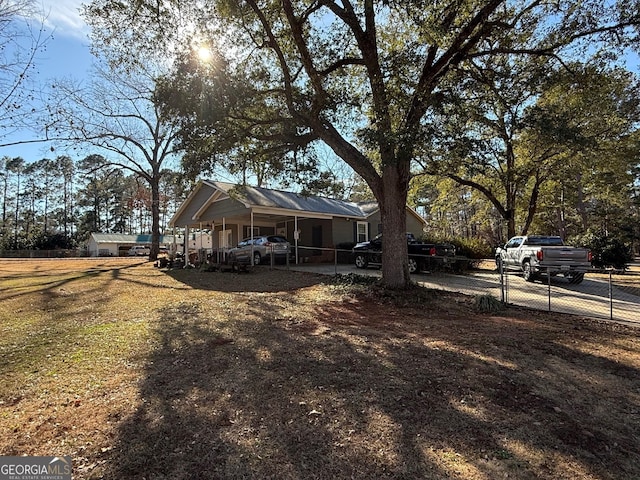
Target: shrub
[
  {"x": 472, "y": 248},
  {"x": 487, "y": 303},
  {"x": 607, "y": 250}
]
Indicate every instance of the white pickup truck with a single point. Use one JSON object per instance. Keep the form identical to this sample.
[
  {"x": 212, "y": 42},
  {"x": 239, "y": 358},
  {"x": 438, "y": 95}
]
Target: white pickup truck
[{"x": 535, "y": 255}]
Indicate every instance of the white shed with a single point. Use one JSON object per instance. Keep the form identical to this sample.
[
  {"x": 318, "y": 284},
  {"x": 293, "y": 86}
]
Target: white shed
[{"x": 118, "y": 245}]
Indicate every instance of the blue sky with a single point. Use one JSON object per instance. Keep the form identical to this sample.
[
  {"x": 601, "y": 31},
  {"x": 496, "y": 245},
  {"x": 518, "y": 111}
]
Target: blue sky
[{"x": 66, "y": 55}]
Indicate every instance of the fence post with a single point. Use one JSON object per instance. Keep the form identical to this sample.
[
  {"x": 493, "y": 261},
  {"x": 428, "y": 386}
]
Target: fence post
[
  {"x": 549, "y": 285},
  {"x": 610, "y": 295},
  {"x": 503, "y": 296},
  {"x": 335, "y": 261}
]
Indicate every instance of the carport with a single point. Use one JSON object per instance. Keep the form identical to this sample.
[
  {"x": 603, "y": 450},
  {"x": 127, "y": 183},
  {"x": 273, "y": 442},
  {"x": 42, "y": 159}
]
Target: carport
[{"x": 232, "y": 212}]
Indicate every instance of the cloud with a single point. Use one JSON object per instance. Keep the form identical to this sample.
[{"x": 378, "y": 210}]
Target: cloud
[{"x": 63, "y": 16}]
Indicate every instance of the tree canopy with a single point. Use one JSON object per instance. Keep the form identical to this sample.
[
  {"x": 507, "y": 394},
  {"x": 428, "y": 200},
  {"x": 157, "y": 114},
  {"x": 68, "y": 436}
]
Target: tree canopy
[
  {"x": 118, "y": 114},
  {"x": 506, "y": 134},
  {"x": 367, "y": 78},
  {"x": 20, "y": 43}
]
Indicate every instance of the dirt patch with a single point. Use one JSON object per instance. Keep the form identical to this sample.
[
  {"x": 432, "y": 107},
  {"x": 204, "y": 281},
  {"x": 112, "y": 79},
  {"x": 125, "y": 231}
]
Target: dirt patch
[{"x": 139, "y": 372}]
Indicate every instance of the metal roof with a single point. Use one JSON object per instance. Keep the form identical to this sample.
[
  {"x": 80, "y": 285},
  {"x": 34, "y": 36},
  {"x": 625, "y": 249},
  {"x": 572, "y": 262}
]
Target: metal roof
[
  {"x": 265, "y": 202},
  {"x": 122, "y": 238},
  {"x": 264, "y": 197}
]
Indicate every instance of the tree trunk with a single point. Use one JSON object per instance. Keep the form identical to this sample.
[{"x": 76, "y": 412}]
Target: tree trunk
[
  {"x": 580, "y": 204},
  {"x": 511, "y": 222},
  {"x": 393, "y": 204},
  {"x": 155, "y": 217}
]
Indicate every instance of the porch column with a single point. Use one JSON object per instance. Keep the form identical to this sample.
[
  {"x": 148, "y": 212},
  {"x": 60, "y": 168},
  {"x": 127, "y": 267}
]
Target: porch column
[
  {"x": 200, "y": 250},
  {"x": 186, "y": 245},
  {"x": 251, "y": 238},
  {"x": 296, "y": 235},
  {"x": 212, "y": 233},
  {"x": 223, "y": 255}
]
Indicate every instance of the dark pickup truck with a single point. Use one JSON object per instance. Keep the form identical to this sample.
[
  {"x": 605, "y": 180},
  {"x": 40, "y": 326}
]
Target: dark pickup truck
[{"x": 422, "y": 256}]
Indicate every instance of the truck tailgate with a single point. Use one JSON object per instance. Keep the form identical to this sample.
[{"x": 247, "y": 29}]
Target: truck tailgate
[{"x": 565, "y": 256}]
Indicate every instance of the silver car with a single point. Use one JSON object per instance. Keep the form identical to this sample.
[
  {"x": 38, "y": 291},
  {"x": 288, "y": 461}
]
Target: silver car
[{"x": 261, "y": 248}]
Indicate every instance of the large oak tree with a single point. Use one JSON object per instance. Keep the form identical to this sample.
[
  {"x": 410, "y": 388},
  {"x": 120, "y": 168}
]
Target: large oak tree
[
  {"x": 512, "y": 128},
  {"x": 361, "y": 76}
]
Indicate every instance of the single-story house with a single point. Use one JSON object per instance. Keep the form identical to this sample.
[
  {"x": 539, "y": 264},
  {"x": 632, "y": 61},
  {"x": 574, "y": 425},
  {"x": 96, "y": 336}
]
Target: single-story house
[
  {"x": 311, "y": 223},
  {"x": 118, "y": 245}
]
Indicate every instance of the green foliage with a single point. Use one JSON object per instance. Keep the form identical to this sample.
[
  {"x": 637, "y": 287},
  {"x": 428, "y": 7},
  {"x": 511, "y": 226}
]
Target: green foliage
[
  {"x": 374, "y": 81},
  {"x": 53, "y": 241},
  {"x": 487, "y": 303},
  {"x": 607, "y": 250},
  {"x": 473, "y": 248}
]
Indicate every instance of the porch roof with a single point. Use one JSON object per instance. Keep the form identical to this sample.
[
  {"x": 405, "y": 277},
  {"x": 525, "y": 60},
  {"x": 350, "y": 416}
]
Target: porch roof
[{"x": 241, "y": 201}]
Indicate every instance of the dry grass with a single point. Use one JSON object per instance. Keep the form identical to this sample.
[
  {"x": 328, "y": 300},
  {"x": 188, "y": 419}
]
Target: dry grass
[{"x": 141, "y": 373}]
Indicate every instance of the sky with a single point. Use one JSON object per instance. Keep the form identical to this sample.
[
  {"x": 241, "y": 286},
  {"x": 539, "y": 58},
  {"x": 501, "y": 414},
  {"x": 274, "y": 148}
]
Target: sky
[{"x": 66, "y": 55}]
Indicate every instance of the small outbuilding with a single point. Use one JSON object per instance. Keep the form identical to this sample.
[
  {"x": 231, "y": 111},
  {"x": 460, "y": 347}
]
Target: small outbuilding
[{"x": 118, "y": 245}]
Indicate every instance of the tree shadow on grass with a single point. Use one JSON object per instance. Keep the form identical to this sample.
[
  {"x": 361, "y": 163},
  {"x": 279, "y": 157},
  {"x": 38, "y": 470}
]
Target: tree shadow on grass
[
  {"x": 257, "y": 279},
  {"x": 363, "y": 391}
]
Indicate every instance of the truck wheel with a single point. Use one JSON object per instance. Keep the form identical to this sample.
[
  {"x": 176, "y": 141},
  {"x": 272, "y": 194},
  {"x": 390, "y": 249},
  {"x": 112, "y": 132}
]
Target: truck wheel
[
  {"x": 361, "y": 261},
  {"x": 527, "y": 272},
  {"x": 256, "y": 258},
  {"x": 413, "y": 265}
]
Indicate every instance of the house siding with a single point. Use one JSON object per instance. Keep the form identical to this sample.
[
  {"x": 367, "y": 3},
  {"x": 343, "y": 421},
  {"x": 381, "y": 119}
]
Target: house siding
[
  {"x": 343, "y": 230},
  {"x": 222, "y": 209},
  {"x": 186, "y": 216},
  {"x": 414, "y": 224},
  {"x": 322, "y": 223}
]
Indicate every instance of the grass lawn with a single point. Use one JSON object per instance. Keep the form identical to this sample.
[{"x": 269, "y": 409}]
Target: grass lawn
[{"x": 137, "y": 372}]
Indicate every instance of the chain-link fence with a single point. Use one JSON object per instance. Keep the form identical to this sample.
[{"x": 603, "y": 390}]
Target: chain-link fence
[{"x": 613, "y": 295}]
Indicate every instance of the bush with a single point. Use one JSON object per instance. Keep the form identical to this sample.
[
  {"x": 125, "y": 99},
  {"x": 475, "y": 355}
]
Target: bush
[
  {"x": 487, "y": 303},
  {"x": 607, "y": 250},
  {"x": 472, "y": 248}
]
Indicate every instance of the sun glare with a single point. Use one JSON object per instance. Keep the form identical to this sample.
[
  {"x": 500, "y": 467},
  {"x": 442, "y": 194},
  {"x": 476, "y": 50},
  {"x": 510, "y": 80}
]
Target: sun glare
[{"x": 204, "y": 54}]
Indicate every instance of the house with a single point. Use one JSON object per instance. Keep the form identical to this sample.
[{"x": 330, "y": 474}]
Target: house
[
  {"x": 311, "y": 223},
  {"x": 118, "y": 245}
]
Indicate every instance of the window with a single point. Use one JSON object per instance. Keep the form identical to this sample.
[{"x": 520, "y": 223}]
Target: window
[
  {"x": 514, "y": 242},
  {"x": 254, "y": 233},
  {"x": 362, "y": 231}
]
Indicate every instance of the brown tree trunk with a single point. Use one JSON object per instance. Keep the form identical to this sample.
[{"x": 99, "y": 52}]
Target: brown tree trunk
[
  {"x": 155, "y": 217},
  {"x": 395, "y": 265}
]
